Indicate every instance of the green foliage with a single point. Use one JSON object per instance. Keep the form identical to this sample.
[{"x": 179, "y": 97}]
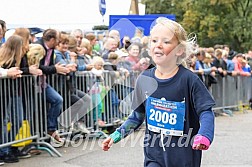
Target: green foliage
[
  {"x": 100, "y": 27},
  {"x": 214, "y": 21}
]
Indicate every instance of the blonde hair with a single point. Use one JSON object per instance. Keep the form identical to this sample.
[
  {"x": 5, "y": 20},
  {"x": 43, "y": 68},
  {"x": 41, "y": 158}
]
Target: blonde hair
[
  {"x": 25, "y": 34},
  {"x": 112, "y": 56},
  {"x": 218, "y": 52},
  {"x": 179, "y": 32},
  {"x": 72, "y": 44},
  {"x": 224, "y": 53},
  {"x": 97, "y": 59},
  {"x": 35, "y": 54},
  {"x": 90, "y": 36},
  {"x": 11, "y": 51},
  {"x": 86, "y": 44}
]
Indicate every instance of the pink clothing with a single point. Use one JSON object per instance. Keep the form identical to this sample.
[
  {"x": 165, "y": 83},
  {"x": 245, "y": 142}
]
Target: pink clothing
[
  {"x": 201, "y": 140},
  {"x": 238, "y": 67},
  {"x": 136, "y": 66}
]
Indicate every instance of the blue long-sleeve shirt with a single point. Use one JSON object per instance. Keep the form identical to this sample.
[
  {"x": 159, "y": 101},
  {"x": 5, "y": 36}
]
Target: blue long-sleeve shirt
[{"x": 198, "y": 119}]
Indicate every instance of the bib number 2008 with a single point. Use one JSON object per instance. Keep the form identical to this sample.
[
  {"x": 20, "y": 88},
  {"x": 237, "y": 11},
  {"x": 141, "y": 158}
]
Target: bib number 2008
[{"x": 163, "y": 117}]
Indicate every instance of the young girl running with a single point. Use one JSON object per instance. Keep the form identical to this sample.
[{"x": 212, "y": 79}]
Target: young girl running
[{"x": 173, "y": 101}]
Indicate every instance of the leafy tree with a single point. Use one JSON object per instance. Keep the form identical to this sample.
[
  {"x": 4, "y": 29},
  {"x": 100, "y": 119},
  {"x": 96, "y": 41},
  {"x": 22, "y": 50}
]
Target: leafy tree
[{"x": 213, "y": 21}]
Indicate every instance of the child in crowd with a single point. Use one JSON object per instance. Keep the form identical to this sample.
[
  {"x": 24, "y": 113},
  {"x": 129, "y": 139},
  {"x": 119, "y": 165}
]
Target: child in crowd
[
  {"x": 173, "y": 101},
  {"x": 96, "y": 89},
  {"x": 245, "y": 66}
]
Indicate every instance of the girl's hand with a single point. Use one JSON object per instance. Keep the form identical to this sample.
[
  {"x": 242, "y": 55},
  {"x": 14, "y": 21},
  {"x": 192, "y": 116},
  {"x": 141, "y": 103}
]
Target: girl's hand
[
  {"x": 107, "y": 143},
  {"x": 201, "y": 143},
  {"x": 200, "y": 147}
]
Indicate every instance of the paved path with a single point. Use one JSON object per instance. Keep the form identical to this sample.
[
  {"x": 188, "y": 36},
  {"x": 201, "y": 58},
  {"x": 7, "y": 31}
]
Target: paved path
[{"x": 231, "y": 148}]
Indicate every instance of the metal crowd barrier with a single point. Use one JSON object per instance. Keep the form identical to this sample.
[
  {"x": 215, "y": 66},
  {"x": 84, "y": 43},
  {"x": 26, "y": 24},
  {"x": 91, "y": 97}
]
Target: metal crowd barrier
[
  {"x": 230, "y": 91},
  {"x": 19, "y": 114},
  {"x": 22, "y": 99},
  {"x": 109, "y": 95}
]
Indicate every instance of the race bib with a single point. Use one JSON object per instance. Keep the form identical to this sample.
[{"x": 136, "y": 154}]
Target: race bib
[{"x": 166, "y": 117}]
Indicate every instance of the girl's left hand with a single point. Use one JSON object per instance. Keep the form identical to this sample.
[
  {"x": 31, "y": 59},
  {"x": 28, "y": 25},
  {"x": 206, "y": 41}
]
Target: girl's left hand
[
  {"x": 201, "y": 143},
  {"x": 107, "y": 143},
  {"x": 200, "y": 147}
]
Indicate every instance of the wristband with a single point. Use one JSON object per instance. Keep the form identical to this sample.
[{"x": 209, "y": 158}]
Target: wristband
[{"x": 116, "y": 136}]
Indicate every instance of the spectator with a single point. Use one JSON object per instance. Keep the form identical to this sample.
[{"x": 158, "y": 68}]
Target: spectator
[
  {"x": 78, "y": 35},
  {"x": 238, "y": 65},
  {"x": 203, "y": 69},
  {"x": 226, "y": 48},
  {"x": 96, "y": 89},
  {"x": 111, "y": 45},
  {"x": 83, "y": 57},
  {"x": 49, "y": 41},
  {"x": 219, "y": 63},
  {"x": 229, "y": 62},
  {"x": 125, "y": 43},
  {"x": 245, "y": 66},
  {"x": 116, "y": 35},
  {"x": 249, "y": 57},
  {"x": 11, "y": 57},
  {"x": 210, "y": 51},
  {"x": 92, "y": 39},
  {"x": 137, "y": 64},
  {"x": 80, "y": 101},
  {"x": 33, "y": 69}
]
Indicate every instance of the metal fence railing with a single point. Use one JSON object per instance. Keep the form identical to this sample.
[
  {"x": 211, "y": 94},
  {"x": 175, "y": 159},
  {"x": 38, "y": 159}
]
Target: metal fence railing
[
  {"x": 24, "y": 108},
  {"x": 20, "y": 110},
  {"x": 230, "y": 91}
]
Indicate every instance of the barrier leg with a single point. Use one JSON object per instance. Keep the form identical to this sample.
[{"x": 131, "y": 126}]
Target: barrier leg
[{"x": 50, "y": 149}]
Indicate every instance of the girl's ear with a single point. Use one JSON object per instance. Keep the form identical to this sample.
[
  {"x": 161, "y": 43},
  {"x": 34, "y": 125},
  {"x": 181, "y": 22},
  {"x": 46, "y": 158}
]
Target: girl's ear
[{"x": 180, "y": 50}]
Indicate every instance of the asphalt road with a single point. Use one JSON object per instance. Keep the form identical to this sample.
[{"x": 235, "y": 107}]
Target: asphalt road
[{"x": 231, "y": 148}]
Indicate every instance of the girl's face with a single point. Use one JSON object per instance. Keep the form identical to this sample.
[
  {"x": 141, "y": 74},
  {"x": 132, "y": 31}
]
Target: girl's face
[
  {"x": 162, "y": 46},
  {"x": 134, "y": 51}
]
